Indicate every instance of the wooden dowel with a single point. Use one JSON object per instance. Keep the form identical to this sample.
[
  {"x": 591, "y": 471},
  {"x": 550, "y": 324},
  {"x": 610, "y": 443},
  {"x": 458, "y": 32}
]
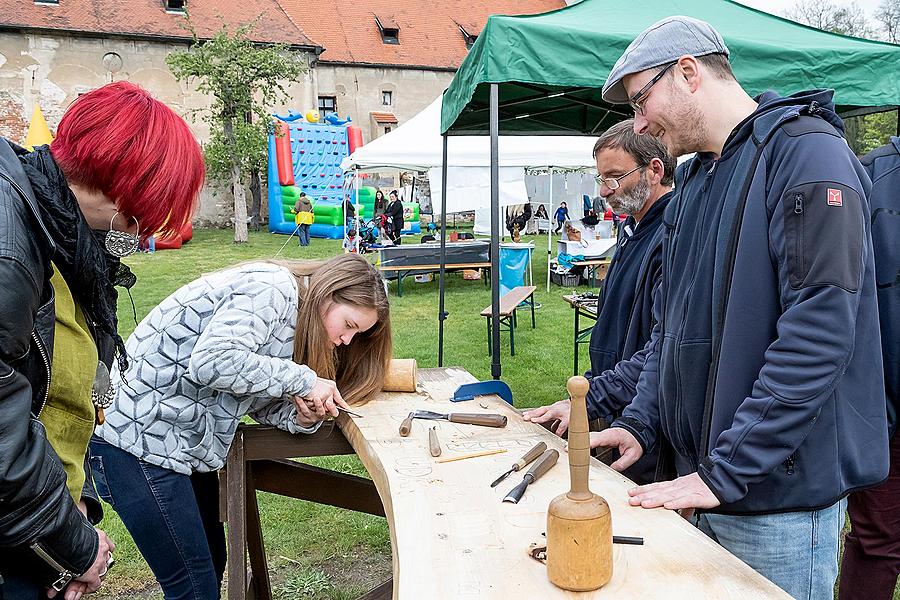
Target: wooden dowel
[{"x": 471, "y": 455}]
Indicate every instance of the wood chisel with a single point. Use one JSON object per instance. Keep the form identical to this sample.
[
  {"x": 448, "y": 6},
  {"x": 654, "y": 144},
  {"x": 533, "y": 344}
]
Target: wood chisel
[
  {"x": 520, "y": 464},
  {"x": 541, "y": 466},
  {"x": 483, "y": 419}
]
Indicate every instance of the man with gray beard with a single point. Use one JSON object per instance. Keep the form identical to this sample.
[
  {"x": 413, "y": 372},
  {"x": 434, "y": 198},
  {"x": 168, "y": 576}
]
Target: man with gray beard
[{"x": 635, "y": 175}]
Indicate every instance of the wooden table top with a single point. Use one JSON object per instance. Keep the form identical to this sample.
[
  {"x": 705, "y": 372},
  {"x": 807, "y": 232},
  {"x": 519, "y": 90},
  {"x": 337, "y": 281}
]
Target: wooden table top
[{"x": 453, "y": 538}]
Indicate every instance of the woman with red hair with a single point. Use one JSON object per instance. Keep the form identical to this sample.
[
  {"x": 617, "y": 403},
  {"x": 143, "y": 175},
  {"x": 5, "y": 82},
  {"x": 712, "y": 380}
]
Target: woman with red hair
[{"x": 122, "y": 167}]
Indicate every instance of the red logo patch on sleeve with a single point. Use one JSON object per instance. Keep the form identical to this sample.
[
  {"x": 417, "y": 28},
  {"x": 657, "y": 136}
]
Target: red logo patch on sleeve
[{"x": 834, "y": 197}]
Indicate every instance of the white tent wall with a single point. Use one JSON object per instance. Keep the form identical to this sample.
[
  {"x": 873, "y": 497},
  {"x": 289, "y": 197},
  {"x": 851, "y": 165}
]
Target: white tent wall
[
  {"x": 567, "y": 187},
  {"x": 417, "y": 146},
  {"x": 471, "y": 185}
]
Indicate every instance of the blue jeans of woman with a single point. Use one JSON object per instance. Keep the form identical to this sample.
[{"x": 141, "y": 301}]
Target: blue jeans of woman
[
  {"x": 797, "y": 551},
  {"x": 173, "y": 519}
]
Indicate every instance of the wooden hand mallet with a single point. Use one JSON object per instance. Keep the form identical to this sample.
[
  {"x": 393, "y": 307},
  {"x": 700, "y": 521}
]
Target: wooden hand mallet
[{"x": 579, "y": 527}]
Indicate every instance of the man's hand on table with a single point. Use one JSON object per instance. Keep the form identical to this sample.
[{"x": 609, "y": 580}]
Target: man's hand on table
[
  {"x": 686, "y": 492},
  {"x": 548, "y": 414},
  {"x": 630, "y": 450}
]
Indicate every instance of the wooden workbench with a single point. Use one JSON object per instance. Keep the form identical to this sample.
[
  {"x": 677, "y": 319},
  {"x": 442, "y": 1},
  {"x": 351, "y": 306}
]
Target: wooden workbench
[{"x": 453, "y": 538}]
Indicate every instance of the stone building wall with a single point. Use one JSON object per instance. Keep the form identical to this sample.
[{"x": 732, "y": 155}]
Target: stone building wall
[{"x": 51, "y": 69}]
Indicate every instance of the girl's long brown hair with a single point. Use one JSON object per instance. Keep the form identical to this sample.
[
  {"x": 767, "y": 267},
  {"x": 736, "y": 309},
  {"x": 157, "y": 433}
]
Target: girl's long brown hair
[{"x": 359, "y": 367}]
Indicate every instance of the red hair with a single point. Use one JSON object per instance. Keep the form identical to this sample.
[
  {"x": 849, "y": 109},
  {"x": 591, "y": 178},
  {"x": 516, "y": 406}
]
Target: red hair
[{"x": 121, "y": 141}]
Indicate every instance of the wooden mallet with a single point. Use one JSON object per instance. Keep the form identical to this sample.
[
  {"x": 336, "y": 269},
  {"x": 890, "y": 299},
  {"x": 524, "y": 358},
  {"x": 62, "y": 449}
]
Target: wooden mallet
[{"x": 579, "y": 527}]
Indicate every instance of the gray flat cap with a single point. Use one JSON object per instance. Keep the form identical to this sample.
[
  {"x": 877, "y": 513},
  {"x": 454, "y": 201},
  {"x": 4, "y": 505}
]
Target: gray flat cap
[{"x": 663, "y": 42}]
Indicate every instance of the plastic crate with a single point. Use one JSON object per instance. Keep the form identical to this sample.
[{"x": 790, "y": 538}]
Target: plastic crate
[{"x": 565, "y": 279}]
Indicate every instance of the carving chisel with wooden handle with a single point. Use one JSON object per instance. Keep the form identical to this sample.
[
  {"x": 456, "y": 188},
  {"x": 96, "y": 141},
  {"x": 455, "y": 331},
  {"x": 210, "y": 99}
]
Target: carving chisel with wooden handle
[
  {"x": 520, "y": 464},
  {"x": 541, "y": 466},
  {"x": 484, "y": 419}
]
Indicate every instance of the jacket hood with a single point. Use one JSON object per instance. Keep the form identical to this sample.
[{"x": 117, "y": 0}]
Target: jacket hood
[{"x": 818, "y": 102}]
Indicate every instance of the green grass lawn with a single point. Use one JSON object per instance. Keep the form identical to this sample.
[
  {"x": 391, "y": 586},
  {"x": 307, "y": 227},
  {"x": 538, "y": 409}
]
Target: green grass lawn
[{"x": 314, "y": 551}]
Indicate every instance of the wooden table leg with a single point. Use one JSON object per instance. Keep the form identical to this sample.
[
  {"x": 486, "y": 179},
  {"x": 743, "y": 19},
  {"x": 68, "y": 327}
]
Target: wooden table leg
[
  {"x": 385, "y": 591},
  {"x": 237, "y": 540},
  {"x": 259, "y": 568}
]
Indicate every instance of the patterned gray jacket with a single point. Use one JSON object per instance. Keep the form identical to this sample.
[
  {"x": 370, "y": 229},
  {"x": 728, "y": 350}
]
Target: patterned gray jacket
[{"x": 215, "y": 350}]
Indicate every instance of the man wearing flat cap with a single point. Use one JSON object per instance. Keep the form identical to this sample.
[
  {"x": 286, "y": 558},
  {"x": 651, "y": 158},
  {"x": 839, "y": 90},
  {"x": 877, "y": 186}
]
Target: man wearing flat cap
[{"x": 764, "y": 370}]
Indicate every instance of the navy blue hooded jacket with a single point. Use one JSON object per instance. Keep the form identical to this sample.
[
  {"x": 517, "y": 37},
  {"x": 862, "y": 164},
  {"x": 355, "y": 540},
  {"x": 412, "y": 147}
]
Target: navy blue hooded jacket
[
  {"x": 764, "y": 370},
  {"x": 883, "y": 167},
  {"x": 625, "y": 317}
]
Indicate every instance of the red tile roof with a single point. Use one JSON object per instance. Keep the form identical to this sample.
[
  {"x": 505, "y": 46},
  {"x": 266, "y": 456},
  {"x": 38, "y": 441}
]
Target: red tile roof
[
  {"x": 149, "y": 18},
  {"x": 383, "y": 117},
  {"x": 429, "y": 30}
]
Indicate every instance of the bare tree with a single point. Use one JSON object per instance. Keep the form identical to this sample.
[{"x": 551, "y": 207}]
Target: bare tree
[
  {"x": 888, "y": 14},
  {"x": 846, "y": 19}
]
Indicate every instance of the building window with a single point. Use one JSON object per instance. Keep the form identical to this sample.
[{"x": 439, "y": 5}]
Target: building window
[
  {"x": 387, "y": 129},
  {"x": 175, "y": 6},
  {"x": 327, "y": 105},
  {"x": 50, "y": 2},
  {"x": 390, "y": 31},
  {"x": 387, "y": 98}
]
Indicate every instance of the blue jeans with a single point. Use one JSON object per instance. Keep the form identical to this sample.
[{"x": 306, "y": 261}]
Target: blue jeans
[
  {"x": 797, "y": 551},
  {"x": 18, "y": 586},
  {"x": 303, "y": 234},
  {"x": 173, "y": 519}
]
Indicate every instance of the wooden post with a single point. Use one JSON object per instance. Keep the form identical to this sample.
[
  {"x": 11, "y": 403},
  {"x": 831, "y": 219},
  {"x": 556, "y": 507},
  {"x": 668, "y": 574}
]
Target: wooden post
[{"x": 237, "y": 538}]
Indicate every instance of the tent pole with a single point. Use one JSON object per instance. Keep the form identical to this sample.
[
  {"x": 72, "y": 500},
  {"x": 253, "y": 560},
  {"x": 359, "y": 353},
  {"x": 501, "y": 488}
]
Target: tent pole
[
  {"x": 441, "y": 314},
  {"x": 550, "y": 231},
  {"x": 495, "y": 233},
  {"x": 358, "y": 215}
]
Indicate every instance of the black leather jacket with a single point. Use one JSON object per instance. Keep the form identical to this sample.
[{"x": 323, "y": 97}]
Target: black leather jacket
[{"x": 41, "y": 528}]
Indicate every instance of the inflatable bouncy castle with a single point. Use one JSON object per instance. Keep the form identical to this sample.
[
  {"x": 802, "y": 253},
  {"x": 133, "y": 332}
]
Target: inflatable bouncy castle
[{"x": 305, "y": 157}]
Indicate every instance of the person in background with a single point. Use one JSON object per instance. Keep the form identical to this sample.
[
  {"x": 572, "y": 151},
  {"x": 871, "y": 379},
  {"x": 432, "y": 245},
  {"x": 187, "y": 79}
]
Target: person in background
[
  {"x": 349, "y": 244},
  {"x": 380, "y": 203},
  {"x": 285, "y": 342},
  {"x": 560, "y": 216},
  {"x": 349, "y": 212},
  {"x": 872, "y": 547},
  {"x": 122, "y": 167},
  {"x": 394, "y": 214},
  {"x": 303, "y": 210}
]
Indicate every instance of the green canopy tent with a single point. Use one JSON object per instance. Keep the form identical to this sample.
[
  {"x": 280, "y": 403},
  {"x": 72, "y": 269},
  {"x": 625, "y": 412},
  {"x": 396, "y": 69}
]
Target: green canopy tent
[
  {"x": 550, "y": 67},
  {"x": 542, "y": 74}
]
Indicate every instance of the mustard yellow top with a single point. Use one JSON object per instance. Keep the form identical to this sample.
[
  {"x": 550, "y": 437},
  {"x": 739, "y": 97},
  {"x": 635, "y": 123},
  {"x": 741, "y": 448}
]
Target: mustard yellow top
[{"x": 69, "y": 413}]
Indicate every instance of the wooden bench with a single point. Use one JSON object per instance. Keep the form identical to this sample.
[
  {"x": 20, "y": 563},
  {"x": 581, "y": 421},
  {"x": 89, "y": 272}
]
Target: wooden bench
[{"x": 508, "y": 304}]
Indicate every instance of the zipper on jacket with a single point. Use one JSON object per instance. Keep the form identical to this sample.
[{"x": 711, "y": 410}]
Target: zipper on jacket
[
  {"x": 65, "y": 575},
  {"x": 43, "y": 353},
  {"x": 798, "y": 240},
  {"x": 728, "y": 275},
  {"x": 789, "y": 465}
]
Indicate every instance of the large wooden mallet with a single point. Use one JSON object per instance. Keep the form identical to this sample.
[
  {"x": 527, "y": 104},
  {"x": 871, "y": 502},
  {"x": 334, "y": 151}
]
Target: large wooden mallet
[{"x": 579, "y": 527}]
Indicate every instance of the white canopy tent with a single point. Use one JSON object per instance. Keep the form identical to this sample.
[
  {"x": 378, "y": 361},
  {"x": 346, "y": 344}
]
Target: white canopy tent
[{"x": 417, "y": 145}]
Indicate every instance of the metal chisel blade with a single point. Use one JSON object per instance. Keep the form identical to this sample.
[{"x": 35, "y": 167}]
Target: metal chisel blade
[{"x": 502, "y": 477}]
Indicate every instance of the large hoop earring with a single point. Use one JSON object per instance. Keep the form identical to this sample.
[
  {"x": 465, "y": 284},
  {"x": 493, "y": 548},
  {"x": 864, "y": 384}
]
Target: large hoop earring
[{"x": 121, "y": 243}]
